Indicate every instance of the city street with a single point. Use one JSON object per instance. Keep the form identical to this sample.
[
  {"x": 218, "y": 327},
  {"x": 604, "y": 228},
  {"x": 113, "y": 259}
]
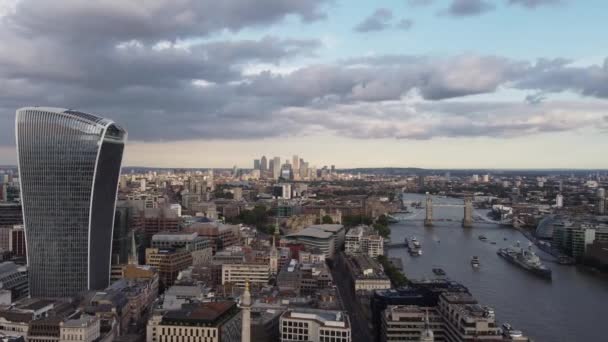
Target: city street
[{"x": 361, "y": 330}]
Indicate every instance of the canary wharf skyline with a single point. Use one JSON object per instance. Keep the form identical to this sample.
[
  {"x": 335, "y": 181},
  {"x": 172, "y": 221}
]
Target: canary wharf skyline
[{"x": 418, "y": 83}]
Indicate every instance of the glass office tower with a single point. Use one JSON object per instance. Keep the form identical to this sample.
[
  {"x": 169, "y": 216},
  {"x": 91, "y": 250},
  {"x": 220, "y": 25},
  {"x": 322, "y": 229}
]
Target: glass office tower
[{"x": 69, "y": 166}]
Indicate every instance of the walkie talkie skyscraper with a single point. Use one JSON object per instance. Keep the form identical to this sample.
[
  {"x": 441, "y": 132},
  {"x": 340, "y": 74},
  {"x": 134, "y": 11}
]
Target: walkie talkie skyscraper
[{"x": 69, "y": 166}]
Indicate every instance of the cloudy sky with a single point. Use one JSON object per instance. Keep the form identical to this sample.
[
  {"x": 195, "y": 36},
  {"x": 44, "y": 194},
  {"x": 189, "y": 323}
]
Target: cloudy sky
[{"x": 421, "y": 83}]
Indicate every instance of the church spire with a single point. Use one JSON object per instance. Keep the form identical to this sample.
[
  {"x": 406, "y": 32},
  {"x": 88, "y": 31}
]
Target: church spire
[
  {"x": 246, "y": 318},
  {"x": 427, "y": 334}
]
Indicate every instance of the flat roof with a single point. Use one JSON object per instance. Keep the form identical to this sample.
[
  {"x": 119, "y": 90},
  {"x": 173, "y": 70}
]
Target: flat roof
[
  {"x": 199, "y": 313},
  {"x": 328, "y": 227},
  {"x": 312, "y": 232},
  {"x": 329, "y": 318}
]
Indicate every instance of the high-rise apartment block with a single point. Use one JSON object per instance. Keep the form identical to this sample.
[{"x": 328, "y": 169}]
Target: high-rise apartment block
[{"x": 69, "y": 166}]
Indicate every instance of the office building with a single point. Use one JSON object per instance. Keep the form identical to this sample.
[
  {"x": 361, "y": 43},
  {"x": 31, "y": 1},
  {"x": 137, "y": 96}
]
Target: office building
[
  {"x": 295, "y": 167},
  {"x": 220, "y": 235},
  {"x": 315, "y": 326},
  {"x": 366, "y": 274},
  {"x": 282, "y": 191},
  {"x": 179, "y": 240},
  {"x": 83, "y": 329},
  {"x": 69, "y": 166},
  {"x": 575, "y": 239},
  {"x": 263, "y": 164},
  {"x": 363, "y": 239},
  {"x": 452, "y": 315},
  {"x": 466, "y": 320},
  {"x": 209, "y": 322},
  {"x": 10, "y": 215},
  {"x": 328, "y": 238},
  {"x": 16, "y": 241},
  {"x": 3, "y": 192},
  {"x": 276, "y": 167},
  {"x": 256, "y": 164},
  {"x": 155, "y": 220},
  {"x": 199, "y": 247},
  {"x": 238, "y": 274},
  {"x": 237, "y": 194},
  {"x": 121, "y": 235},
  {"x": 286, "y": 172},
  {"x": 14, "y": 279},
  {"x": 168, "y": 263},
  {"x": 411, "y": 323}
]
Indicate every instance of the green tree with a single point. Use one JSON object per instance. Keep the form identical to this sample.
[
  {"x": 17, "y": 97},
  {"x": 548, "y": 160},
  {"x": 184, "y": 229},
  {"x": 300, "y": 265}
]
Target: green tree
[
  {"x": 383, "y": 220},
  {"x": 355, "y": 220},
  {"x": 327, "y": 220},
  {"x": 256, "y": 217},
  {"x": 382, "y": 230},
  {"x": 397, "y": 278}
]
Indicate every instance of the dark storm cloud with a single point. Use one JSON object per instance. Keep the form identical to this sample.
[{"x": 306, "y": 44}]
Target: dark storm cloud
[
  {"x": 377, "y": 21},
  {"x": 534, "y": 3},
  {"x": 589, "y": 81},
  {"x": 451, "y": 119},
  {"x": 162, "y": 86},
  {"x": 465, "y": 8},
  {"x": 135, "y": 64},
  {"x": 119, "y": 20}
]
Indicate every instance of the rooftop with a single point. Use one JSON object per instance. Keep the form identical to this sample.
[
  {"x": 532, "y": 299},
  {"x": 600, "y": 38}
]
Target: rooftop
[
  {"x": 174, "y": 236},
  {"x": 458, "y": 298},
  {"x": 326, "y": 317},
  {"x": 210, "y": 313},
  {"x": 83, "y": 321},
  {"x": 334, "y": 228},
  {"x": 312, "y": 232}
]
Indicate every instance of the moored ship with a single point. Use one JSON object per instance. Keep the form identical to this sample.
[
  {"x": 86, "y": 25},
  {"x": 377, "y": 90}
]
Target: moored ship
[
  {"x": 526, "y": 259},
  {"x": 413, "y": 246}
]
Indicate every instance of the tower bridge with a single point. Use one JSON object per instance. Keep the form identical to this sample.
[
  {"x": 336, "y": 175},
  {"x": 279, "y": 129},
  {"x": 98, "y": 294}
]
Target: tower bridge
[{"x": 467, "y": 220}]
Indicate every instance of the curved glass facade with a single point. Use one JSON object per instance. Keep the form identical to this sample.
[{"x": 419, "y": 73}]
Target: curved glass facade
[
  {"x": 545, "y": 227},
  {"x": 69, "y": 165}
]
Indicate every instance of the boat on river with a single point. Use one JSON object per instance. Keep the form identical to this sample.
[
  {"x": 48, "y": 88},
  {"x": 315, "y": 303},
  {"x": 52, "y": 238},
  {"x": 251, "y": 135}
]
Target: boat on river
[{"x": 525, "y": 258}]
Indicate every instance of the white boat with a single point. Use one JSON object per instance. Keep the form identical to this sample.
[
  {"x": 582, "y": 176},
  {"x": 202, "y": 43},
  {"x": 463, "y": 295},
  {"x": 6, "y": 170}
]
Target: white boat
[{"x": 475, "y": 262}]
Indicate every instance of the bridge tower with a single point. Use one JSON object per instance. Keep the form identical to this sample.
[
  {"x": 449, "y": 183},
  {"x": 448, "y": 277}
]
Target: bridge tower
[
  {"x": 428, "y": 220},
  {"x": 467, "y": 220}
]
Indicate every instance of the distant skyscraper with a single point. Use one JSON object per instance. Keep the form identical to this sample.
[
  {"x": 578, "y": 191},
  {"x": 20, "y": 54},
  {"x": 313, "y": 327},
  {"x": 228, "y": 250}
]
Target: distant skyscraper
[
  {"x": 263, "y": 164},
  {"x": 276, "y": 170},
  {"x": 256, "y": 164},
  {"x": 303, "y": 169},
  {"x": 295, "y": 165},
  {"x": 69, "y": 165},
  {"x": 4, "y": 192},
  {"x": 286, "y": 172}
]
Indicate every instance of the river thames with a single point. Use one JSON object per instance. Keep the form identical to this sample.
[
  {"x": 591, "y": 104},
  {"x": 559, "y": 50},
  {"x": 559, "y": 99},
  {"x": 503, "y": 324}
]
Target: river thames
[{"x": 571, "y": 307}]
